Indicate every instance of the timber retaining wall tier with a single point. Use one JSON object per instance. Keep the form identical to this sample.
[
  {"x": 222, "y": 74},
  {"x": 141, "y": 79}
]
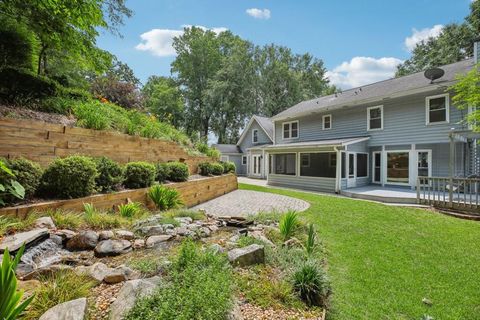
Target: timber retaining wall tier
[
  {"x": 192, "y": 192},
  {"x": 43, "y": 142}
]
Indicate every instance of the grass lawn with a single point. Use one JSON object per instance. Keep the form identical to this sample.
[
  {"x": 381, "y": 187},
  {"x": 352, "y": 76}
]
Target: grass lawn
[{"x": 384, "y": 260}]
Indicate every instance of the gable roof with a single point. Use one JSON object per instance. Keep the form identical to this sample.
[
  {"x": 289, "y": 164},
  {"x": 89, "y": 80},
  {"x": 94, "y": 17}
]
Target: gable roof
[
  {"x": 227, "y": 148},
  {"x": 265, "y": 123},
  {"x": 391, "y": 88}
]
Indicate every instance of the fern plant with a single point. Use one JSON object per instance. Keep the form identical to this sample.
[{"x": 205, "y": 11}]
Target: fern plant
[
  {"x": 288, "y": 224},
  {"x": 164, "y": 198},
  {"x": 129, "y": 210},
  {"x": 311, "y": 239},
  {"x": 10, "y": 306}
]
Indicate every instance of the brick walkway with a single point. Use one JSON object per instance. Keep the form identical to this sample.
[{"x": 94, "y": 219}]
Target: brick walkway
[{"x": 245, "y": 202}]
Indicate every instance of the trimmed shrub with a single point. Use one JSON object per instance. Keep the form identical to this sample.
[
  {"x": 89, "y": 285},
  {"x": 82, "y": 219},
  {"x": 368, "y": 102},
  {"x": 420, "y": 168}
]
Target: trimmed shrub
[
  {"x": 177, "y": 171},
  {"x": 217, "y": 169},
  {"x": 71, "y": 177},
  {"x": 163, "y": 172},
  {"x": 139, "y": 175},
  {"x": 164, "y": 198},
  {"x": 19, "y": 85},
  {"x": 110, "y": 174},
  {"x": 205, "y": 168},
  {"x": 27, "y": 173},
  {"x": 228, "y": 167}
]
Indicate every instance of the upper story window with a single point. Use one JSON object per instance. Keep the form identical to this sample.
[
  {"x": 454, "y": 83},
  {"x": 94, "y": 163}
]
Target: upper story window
[
  {"x": 254, "y": 135},
  {"x": 290, "y": 130},
  {"x": 438, "y": 109},
  {"x": 375, "y": 118},
  {"x": 327, "y": 122}
]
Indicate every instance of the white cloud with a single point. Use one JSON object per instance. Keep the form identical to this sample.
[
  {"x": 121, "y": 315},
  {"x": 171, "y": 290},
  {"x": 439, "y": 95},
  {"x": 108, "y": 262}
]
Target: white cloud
[
  {"x": 421, "y": 35},
  {"x": 259, "y": 13},
  {"x": 159, "y": 41},
  {"x": 362, "y": 70}
]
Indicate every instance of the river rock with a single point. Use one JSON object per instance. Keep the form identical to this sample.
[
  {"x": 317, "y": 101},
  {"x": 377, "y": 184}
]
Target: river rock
[
  {"x": 151, "y": 230},
  {"x": 105, "y": 235},
  {"x": 181, "y": 231},
  {"x": 129, "y": 293},
  {"x": 45, "y": 222},
  {"x": 70, "y": 310},
  {"x": 97, "y": 271},
  {"x": 65, "y": 234},
  {"x": 85, "y": 240},
  {"x": 154, "y": 240},
  {"x": 253, "y": 254},
  {"x": 186, "y": 220},
  {"x": 108, "y": 248},
  {"x": 30, "y": 238},
  {"x": 138, "y": 244},
  {"x": 125, "y": 234},
  {"x": 115, "y": 276}
]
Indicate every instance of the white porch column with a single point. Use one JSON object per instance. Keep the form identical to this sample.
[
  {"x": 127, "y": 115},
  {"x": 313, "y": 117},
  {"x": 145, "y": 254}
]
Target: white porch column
[
  {"x": 383, "y": 171},
  {"x": 413, "y": 167},
  {"x": 338, "y": 178}
]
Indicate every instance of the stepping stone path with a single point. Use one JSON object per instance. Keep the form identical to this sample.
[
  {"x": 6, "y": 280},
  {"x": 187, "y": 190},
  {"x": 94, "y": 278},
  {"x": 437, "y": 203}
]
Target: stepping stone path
[{"x": 245, "y": 202}]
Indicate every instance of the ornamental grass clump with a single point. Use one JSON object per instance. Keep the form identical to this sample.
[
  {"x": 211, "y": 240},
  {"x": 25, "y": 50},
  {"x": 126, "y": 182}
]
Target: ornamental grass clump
[
  {"x": 288, "y": 224},
  {"x": 130, "y": 210},
  {"x": 164, "y": 198},
  {"x": 310, "y": 243},
  {"x": 139, "y": 175},
  {"x": 11, "y": 306},
  {"x": 311, "y": 284}
]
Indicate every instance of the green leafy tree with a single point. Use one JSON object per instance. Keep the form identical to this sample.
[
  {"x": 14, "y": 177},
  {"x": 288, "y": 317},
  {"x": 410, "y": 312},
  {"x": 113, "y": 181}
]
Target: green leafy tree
[
  {"x": 454, "y": 43},
  {"x": 17, "y": 45},
  {"x": 164, "y": 99},
  {"x": 467, "y": 96}
]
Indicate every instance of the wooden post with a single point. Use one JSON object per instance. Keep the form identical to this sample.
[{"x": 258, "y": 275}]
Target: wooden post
[{"x": 451, "y": 164}]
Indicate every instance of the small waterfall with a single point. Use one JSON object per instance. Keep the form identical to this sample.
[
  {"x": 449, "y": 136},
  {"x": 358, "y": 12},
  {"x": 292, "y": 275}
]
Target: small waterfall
[{"x": 44, "y": 254}]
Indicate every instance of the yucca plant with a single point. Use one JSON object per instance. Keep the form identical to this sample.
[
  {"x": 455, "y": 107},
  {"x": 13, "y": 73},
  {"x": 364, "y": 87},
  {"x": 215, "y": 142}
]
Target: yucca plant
[
  {"x": 10, "y": 306},
  {"x": 129, "y": 210},
  {"x": 288, "y": 223},
  {"x": 311, "y": 239},
  {"x": 311, "y": 284},
  {"x": 164, "y": 198}
]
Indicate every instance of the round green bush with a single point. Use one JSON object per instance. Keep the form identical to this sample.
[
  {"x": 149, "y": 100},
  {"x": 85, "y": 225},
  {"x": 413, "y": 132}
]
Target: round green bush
[
  {"x": 110, "y": 174},
  {"x": 17, "y": 84},
  {"x": 177, "y": 171},
  {"x": 139, "y": 175},
  {"x": 71, "y": 177},
  {"x": 228, "y": 167},
  {"x": 27, "y": 173},
  {"x": 163, "y": 172},
  {"x": 205, "y": 168},
  {"x": 217, "y": 169}
]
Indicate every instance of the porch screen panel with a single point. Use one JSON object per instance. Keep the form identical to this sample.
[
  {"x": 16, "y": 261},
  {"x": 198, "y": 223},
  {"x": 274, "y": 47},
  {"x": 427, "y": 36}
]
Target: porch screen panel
[
  {"x": 362, "y": 165},
  {"x": 321, "y": 165},
  {"x": 284, "y": 163}
]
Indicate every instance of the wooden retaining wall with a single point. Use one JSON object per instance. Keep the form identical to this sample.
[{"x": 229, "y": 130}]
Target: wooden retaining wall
[
  {"x": 192, "y": 193},
  {"x": 43, "y": 142}
]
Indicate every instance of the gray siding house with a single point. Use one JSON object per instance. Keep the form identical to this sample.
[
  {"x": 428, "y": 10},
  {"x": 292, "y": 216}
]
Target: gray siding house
[
  {"x": 386, "y": 133},
  {"x": 249, "y": 152}
]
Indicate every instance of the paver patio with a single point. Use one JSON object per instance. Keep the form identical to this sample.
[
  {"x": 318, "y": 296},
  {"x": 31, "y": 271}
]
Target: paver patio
[{"x": 245, "y": 202}]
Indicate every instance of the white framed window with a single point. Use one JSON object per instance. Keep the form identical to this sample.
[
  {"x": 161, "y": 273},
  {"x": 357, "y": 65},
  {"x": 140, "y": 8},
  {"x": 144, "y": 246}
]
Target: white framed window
[
  {"x": 375, "y": 118},
  {"x": 438, "y": 109},
  {"x": 244, "y": 160},
  {"x": 327, "y": 122},
  {"x": 254, "y": 135},
  {"x": 224, "y": 158},
  {"x": 290, "y": 130},
  {"x": 305, "y": 160}
]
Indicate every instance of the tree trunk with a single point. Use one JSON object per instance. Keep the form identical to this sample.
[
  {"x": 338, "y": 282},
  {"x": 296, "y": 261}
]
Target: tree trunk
[{"x": 41, "y": 58}]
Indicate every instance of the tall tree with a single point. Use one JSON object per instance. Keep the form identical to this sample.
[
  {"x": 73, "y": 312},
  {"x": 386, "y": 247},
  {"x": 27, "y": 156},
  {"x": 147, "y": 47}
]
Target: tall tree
[
  {"x": 454, "y": 43},
  {"x": 198, "y": 60},
  {"x": 164, "y": 99}
]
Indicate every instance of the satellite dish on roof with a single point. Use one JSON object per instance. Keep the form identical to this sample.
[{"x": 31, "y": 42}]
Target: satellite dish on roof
[{"x": 434, "y": 74}]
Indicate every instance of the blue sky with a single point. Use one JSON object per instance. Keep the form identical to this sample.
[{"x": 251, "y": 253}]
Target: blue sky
[{"x": 360, "y": 41}]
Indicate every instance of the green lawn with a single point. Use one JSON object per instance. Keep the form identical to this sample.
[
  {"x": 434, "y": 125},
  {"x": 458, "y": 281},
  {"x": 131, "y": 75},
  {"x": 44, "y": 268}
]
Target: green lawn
[{"x": 384, "y": 260}]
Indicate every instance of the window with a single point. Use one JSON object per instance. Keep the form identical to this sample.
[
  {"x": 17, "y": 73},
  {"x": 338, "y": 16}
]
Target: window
[
  {"x": 375, "y": 118},
  {"x": 224, "y": 158},
  {"x": 362, "y": 165},
  {"x": 327, "y": 122},
  {"x": 319, "y": 165},
  {"x": 254, "y": 135},
  {"x": 397, "y": 167},
  {"x": 305, "y": 160},
  {"x": 285, "y": 163},
  {"x": 244, "y": 160},
  {"x": 438, "y": 109},
  {"x": 290, "y": 130}
]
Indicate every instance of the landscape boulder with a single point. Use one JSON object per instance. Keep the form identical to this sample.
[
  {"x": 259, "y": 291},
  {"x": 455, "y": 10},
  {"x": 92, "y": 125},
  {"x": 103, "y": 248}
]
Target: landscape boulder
[
  {"x": 85, "y": 240},
  {"x": 45, "y": 222},
  {"x": 15, "y": 241},
  {"x": 129, "y": 293},
  {"x": 70, "y": 310},
  {"x": 252, "y": 254},
  {"x": 105, "y": 235},
  {"x": 109, "y": 248},
  {"x": 155, "y": 240},
  {"x": 125, "y": 234}
]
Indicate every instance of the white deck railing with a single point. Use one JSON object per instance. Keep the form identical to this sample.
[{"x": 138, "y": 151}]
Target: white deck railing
[{"x": 452, "y": 193}]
